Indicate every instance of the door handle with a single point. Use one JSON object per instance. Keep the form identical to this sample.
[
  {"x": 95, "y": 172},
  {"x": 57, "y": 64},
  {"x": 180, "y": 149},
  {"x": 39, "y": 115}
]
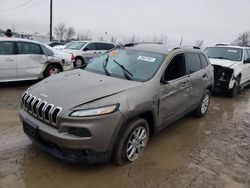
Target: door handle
[
  {"x": 183, "y": 83},
  {"x": 9, "y": 59},
  {"x": 204, "y": 76}
]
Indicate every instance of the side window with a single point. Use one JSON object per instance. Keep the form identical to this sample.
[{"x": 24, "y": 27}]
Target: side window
[
  {"x": 6, "y": 48},
  {"x": 246, "y": 54},
  {"x": 29, "y": 48},
  {"x": 248, "y": 51},
  {"x": 176, "y": 68},
  {"x": 193, "y": 63},
  {"x": 47, "y": 51},
  {"x": 105, "y": 46},
  {"x": 90, "y": 46},
  {"x": 204, "y": 62}
]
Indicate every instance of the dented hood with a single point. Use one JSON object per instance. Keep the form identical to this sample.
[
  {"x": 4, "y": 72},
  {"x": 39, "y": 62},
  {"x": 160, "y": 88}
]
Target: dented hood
[
  {"x": 77, "y": 87},
  {"x": 222, "y": 62}
]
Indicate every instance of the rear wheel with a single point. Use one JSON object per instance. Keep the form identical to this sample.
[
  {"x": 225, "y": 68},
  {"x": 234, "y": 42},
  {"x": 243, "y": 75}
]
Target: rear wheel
[
  {"x": 132, "y": 142},
  {"x": 52, "y": 70},
  {"x": 201, "y": 110}
]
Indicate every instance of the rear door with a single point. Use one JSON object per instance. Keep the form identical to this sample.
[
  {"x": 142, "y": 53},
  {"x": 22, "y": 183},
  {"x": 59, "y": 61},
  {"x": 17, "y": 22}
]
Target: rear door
[
  {"x": 8, "y": 69},
  {"x": 245, "y": 77},
  {"x": 90, "y": 51},
  {"x": 175, "y": 92},
  {"x": 30, "y": 60},
  {"x": 198, "y": 76}
]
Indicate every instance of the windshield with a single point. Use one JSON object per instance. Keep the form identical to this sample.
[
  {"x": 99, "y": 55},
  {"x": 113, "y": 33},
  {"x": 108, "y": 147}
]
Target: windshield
[
  {"x": 76, "y": 45},
  {"x": 233, "y": 54},
  {"x": 140, "y": 65}
]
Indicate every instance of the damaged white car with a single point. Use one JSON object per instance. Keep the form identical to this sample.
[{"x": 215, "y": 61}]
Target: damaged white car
[{"x": 231, "y": 67}]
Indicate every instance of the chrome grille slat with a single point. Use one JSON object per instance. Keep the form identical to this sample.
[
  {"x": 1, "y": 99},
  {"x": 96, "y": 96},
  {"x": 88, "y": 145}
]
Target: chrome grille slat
[
  {"x": 40, "y": 109},
  {"x": 27, "y": 102}
]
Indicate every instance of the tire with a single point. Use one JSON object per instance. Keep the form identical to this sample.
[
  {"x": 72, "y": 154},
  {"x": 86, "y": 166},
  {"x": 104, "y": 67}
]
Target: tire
[
  {"x": 235, "y": 90},
  {"x": 78, "y": 62},
  {"x": 201, "y": 110},
  {"x": 132, "y": 142},
  {"x": 51, "y": 70}
]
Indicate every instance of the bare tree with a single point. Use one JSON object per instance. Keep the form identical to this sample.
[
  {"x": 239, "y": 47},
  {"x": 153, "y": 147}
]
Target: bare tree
[
  {"x": 60, "y": 31},
  {"x": 101, "y": 38},
  {"x": 70, "y": 33},
  {"x": 113, "y": 39},
  {"x": 243, "y": 39},
  {"x": 132, "y": 39},
  {"x": 13, "y": 29},
  {"x": 199, "y": 43}
]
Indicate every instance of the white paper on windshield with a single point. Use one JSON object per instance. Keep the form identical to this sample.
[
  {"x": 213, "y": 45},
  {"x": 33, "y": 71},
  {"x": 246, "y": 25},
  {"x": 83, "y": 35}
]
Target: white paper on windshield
[
  {"x": 232, "y": 51},
  {"x": 144, "y": 58}
]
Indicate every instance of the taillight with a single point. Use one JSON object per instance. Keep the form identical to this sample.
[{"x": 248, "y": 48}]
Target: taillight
[{"x": 72, "y": 57}]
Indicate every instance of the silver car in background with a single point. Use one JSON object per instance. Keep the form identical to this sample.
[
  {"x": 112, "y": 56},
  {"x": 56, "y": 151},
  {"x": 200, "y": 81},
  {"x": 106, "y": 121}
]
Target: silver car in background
[
  {"x": 29, "y": 60},
  {"x": 84, "y": 51}
]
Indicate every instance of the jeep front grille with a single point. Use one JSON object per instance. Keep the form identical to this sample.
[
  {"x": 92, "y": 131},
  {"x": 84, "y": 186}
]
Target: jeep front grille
[{"x": 40, "y": 109}]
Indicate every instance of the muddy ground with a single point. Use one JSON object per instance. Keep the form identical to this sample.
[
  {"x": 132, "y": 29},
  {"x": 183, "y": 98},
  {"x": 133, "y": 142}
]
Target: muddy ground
[{"x": 213, "y": 151}]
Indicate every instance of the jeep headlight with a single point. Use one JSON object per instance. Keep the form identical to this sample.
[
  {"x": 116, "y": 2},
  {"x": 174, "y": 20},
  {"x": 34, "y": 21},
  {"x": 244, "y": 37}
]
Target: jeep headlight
[{"x": 95, "y": 111}]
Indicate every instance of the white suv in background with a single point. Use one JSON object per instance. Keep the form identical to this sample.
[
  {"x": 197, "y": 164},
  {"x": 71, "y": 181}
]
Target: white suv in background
[
  {"x": 231, "y": 67},
  {"x": 83, "y": 51},
  {"x": 29, "y": 60}
]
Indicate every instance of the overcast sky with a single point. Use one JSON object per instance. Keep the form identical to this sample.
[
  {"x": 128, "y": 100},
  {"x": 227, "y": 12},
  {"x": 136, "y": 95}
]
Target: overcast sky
[{"x": 214, "y": 21}]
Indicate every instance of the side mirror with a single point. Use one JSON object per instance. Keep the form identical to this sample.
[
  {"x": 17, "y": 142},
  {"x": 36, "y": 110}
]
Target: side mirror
[
  {"x": 164, "y": 81},
  {"x": 247, "y": 61},
  {"x": 86, "y": 49}
]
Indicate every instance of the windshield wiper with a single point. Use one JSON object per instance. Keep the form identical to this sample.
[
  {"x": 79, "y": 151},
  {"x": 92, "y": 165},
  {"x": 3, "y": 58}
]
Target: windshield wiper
[
  {"x": 126, "y": 72},
  {"x": 104, "y": 65},
  {"x": 222, "y": 58}
]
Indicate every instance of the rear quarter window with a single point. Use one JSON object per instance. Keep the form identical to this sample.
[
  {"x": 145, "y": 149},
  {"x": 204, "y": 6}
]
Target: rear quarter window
[{"x": 105, "y": 46}]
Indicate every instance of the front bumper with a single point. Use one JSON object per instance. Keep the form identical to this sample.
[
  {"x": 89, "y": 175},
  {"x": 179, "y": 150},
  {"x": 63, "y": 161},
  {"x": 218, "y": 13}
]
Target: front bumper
[{"x": 71, "y": 148}]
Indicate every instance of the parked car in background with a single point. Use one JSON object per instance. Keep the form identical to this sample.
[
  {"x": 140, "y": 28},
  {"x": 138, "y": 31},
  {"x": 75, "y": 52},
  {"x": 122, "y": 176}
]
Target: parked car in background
[
  {"x": 61, "y": 47},
  {"x": 231, "y": 67},
  {"x": 29, "y": 60},
  {"x": 55, "y": 43},
  {"x": 84, "y": 51},
  {"x": 130, "y": 94}
]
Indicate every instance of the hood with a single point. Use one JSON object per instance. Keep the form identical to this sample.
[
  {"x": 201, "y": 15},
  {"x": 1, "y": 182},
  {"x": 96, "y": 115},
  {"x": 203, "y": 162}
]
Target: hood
[
  {"x": 222, "y": 62},
  {"x": 77, "y": 87}
]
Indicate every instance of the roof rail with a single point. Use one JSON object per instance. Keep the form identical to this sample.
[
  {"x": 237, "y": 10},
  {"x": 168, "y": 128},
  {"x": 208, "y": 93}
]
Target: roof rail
[
  {"x": 221, "y": 44},
  {"x": 136, "y": 43},
  {"x": 181, "y": 47}
]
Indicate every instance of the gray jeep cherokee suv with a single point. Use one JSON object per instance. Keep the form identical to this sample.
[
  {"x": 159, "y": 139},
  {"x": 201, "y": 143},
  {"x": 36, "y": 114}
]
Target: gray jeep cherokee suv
[{"x": 111, "y": 108}]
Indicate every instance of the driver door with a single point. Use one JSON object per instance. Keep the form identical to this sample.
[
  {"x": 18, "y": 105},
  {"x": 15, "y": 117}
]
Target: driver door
[{"x": 174, "y": 90}]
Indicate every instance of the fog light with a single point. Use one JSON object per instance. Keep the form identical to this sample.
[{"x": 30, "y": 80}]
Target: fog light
[{"x": 81, "y": 132}]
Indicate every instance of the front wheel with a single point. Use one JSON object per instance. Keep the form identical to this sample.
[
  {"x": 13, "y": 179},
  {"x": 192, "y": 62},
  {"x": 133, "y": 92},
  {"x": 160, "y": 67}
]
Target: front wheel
[
  {"x": 132, "y": 142},
  {"x": 201, "y": 110},
  {"x": 78, "y": 62}
]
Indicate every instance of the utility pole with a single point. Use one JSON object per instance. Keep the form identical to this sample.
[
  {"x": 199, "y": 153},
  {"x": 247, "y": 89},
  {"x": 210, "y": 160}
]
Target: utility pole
[
  {"x": 50, "y": 25},
  {"x": 181, "y": 41}
]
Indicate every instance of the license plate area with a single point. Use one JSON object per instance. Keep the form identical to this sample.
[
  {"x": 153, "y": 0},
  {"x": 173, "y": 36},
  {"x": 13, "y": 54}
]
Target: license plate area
[{"x": 31, "y": 130}]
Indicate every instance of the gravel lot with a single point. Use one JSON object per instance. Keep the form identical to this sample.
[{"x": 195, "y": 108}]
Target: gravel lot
[{"x": 213, "y": 151}]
